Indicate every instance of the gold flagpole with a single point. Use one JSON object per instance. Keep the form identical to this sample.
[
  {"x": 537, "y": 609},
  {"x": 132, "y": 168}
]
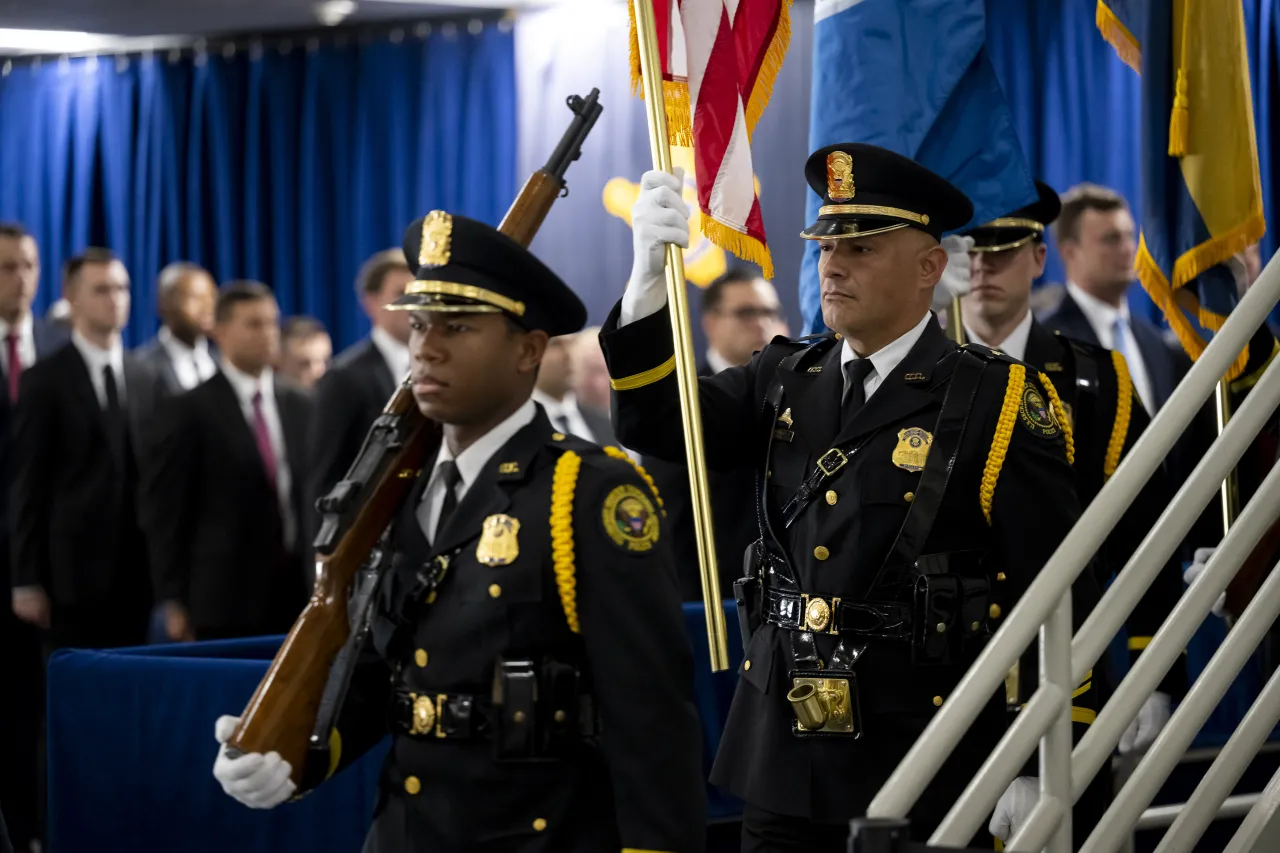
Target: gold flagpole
[
  {"x": 955, "y": 321},
  {"x": 681, "y": 329}
]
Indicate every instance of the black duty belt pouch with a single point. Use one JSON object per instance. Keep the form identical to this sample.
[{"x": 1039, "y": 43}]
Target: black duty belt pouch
[{"x": 515, "y": 697}]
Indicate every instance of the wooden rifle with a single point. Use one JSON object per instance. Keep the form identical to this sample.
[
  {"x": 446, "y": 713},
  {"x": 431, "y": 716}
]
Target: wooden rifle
[{"x": 298, "y": 700}]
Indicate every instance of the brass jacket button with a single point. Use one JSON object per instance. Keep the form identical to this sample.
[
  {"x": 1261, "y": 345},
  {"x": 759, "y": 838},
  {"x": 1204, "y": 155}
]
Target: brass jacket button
[
  {"x": 821, "y": 552},
  {"x": 494, "y": 590},
  {"x": 412, "y": 785},
  {"x": 937, "y": 701},
  {"x": 539, "y": 825},
  {"x": 420, "y": 657}
]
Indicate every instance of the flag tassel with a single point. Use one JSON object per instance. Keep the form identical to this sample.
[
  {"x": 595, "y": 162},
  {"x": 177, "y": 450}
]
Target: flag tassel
[{"x": 1180, "y": 118}]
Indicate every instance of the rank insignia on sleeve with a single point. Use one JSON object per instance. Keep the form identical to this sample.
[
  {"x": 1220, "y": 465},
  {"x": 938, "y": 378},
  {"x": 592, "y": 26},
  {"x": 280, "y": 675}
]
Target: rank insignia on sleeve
[
  {"x": 499, "y": 545},
  {"x": 913, "y": 449},
  {"x": 629, "y": 519},
  {"x": 1036, "y": 415}
]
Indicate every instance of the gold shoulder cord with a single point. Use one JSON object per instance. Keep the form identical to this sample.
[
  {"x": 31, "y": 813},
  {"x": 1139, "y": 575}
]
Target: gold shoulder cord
[
  {"x": 1124, "y": 410},
  {"x": 1004, "y": 432},
  {"x": 1061, "y": 414},
  {"x": 617, "y": 453},
  {"x": 563, "y": 484}
]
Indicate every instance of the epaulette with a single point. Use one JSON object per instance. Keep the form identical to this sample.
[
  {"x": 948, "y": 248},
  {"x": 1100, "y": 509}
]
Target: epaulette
[
  {"x": 989, "y": 354},
  {"x": 806, "y": 351}
]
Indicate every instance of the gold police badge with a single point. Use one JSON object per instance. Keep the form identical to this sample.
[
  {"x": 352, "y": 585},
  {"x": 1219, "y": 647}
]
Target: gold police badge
[
  {"x": 840, "y": 176},
  {"x": 629, "y": 519},
  {"x": 913, "y": 449},
  {"x": 499, "y": 545}
]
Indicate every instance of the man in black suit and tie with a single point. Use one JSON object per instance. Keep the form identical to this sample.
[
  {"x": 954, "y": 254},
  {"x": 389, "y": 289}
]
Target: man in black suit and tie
[
  {"x": 740, "y": 314},
  {"x": 223, "y": 501},
  {"x": 351, "y": 395},
  {"x": 554, "y": 392},
  {"x": 180, "y": 353},
  {"x": 79, "y": 558},
  {"x": 1097, "y": 241},
  {"x": 24, "y": 339}
]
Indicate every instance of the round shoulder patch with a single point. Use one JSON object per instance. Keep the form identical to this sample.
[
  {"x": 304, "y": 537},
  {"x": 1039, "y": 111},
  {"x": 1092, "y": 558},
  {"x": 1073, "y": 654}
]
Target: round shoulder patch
[
  {"x": 1036, "y": 415},
  {"x": 629, "y": 519}
]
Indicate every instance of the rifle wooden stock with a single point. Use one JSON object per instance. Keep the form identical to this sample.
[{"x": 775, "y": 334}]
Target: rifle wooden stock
[
  {"x": 531, "y": 207},
  {"x": 282, "y": 712}
]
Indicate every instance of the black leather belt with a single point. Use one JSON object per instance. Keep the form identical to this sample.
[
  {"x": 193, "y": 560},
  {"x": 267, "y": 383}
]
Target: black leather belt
[
  {"x": 885, "y": 620},
  {"x": 456, "y": 716}
]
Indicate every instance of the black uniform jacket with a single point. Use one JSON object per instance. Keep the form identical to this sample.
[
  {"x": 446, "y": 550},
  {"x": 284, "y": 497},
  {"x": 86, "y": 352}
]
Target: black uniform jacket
[
  {"x": 1010, "y": 499},
  {"x": 602, "y": 597}
]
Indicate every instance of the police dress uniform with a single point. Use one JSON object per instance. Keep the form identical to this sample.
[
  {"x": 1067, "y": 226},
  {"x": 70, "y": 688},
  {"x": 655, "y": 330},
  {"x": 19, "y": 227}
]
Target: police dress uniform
[
  {"x": 892, "y": 542},
  {"x": 530, "y": 663}
]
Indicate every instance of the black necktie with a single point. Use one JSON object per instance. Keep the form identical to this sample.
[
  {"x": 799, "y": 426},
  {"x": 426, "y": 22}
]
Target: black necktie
[
  {"x": 855, "y": 395},
  {"x": 113, "y": 392},
  {"x": 450, "y": 476},
  {"x": 561, "y": 422}
]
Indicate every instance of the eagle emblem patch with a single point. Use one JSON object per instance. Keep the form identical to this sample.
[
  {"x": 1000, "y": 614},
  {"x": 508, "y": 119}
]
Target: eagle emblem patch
[
  {"x": 1036, "y": 415},
  {"x": 629, "y": 519}
]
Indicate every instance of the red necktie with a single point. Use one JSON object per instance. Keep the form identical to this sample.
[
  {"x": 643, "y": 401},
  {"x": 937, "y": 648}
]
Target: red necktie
[
  {"x": 263, "y": 436},
  {"x": 15, "y": 367}
]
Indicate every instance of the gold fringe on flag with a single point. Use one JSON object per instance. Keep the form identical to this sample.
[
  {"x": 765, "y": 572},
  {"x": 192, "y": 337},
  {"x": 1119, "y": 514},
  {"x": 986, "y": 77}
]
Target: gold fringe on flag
[
  {"x": 744, "y": 246},
  {"x": 776, "y": 53},
  {"x": 1119, "y": 37},
  {"x": 675, "y": 93}
]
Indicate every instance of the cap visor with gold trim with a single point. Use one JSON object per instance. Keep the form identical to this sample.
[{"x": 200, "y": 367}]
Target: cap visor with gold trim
[
  {"x": 869, "y": 190},
  {"x": 1006, "y": 233},
  {"x": 466, "y": 266}
]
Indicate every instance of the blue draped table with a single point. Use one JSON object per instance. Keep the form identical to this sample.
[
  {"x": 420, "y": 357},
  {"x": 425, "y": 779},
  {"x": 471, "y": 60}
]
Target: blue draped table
[{"x": 131, "y": 752}]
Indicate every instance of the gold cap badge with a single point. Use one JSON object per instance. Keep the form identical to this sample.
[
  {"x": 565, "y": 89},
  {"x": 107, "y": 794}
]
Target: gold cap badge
[
  {"x": 437, "y": 231},
  {"x": 840, "y": 176}
]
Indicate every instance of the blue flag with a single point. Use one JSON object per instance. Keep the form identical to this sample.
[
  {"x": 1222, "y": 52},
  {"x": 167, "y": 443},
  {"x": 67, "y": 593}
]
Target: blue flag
[{"x": 913, "y": 76}]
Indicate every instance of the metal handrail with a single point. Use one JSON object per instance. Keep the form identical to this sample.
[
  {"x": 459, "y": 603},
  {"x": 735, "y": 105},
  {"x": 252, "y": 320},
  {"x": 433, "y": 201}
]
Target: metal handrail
[{"x": 1050, "y": 587}]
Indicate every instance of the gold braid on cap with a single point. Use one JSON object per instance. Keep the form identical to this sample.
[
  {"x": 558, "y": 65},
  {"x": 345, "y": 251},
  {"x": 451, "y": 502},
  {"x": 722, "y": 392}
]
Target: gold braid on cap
[
  {"x": 1061, "y": 415},
  {"x": 617, "y": 453},
  {"x": 563, "y": 483},
  {"x": 1000, "y": 442},
  {"x": 1124, "y": 410}
]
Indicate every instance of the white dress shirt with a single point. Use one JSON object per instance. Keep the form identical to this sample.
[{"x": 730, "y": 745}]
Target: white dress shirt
[
  {"x": 96, "y": 358},
  {"x": 716, "y": 361},
  {"x": 245, "y": 387},
  {"x": 1102, "y": 318},
  {"x": 25, "y": 331},
  {"x": 1015, "y": 344},
  {"x": 470, "y": 463},
  {"x": 884, "y": 360},
  {"x": 565, "y": 415},
  {"x": 192, "y": 365},
  {"x": 396, "y": 354}
]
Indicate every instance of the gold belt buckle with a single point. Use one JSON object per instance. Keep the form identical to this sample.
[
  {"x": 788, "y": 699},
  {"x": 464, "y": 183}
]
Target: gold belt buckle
[
  {"x": 427, "y": 715},
  {"x": 835, "y": 464},
  {"x": 823, "y": 705},
  {"x": 819, "y": 616}
]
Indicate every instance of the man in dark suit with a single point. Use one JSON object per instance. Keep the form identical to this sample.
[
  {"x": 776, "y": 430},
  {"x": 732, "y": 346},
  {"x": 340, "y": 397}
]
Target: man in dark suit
[
  {"x": 180, "y": 353},
  {"x": 554, "y": 392},
  {"x": 740, "y": 314},
  {"x": 305, "y": 351},
  {"x": 79, "y": 558},
  {"x": 25, "y": 339},
  {"x": 223, "y": 504},
  {"x": 351, "y": 395},
  {"x": 1097, "y": 240}
]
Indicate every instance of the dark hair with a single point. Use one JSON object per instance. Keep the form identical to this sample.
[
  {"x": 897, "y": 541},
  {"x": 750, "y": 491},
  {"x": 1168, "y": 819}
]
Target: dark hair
[
  {"x": 301, "y": 329},
  {"x": 92, "y": 255},
  {"x": 238, "y": 293},
  {"x": 1079, "y": 199},
  {"x": 374, "y": 271},
  {"x": 713, "y": 295},
  {"x": 13, "y": 230}
]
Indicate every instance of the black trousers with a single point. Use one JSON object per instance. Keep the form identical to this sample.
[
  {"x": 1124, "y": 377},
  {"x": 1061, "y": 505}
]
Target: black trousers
[{"x": 766, "y": 832}]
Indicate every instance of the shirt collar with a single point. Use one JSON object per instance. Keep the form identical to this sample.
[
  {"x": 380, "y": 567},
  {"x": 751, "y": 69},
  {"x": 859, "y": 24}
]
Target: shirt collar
[
  {"x": 170, "y": 341},
  {"x": 97, "y": 357},
  {"x": 395, "y": 353},
  {"x": 245, "y": 385},
  {"x": 716, "y": 361},
  {"x": 24, "y": 329},
  {"x": 888, "y": 357},
  {"x": 1015, "y": 344},
  {"x": 1099, "y": 314},
  {"x": 471, "y": 461}
]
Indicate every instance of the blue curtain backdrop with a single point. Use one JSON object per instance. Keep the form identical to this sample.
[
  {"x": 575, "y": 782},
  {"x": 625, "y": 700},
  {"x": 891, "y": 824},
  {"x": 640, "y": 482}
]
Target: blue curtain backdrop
[{"x": 289, "y": 163}]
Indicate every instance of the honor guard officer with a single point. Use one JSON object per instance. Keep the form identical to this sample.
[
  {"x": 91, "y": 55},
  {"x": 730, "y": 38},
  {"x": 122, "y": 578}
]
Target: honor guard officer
[
  {"x": 528, "y": 655},
  {"x": 1107, "y": 419},
  {"x": 909, "y": 491}
]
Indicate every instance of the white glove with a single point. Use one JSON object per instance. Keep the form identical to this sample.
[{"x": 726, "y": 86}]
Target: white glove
[
  {"x": 1196, "y": 569},
  {"x": 1152, "y": 717},
  {"x": 658, "y": 217},
  {"x": 1014, "y": 807},
  {"x": 256, "y": 780},
  {"x": 955, "y": 278}
]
